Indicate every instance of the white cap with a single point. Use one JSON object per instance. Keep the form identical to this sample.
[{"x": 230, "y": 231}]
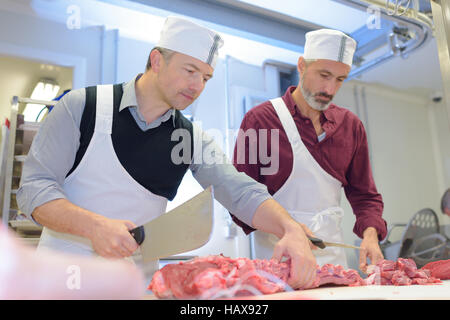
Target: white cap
[
  {"x": 329, "y": 44},
  {"x": 189, "y": 38}
]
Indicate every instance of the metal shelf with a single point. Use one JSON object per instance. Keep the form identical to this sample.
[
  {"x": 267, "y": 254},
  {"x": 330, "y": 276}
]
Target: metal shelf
[{"x": 20, "y": 136}]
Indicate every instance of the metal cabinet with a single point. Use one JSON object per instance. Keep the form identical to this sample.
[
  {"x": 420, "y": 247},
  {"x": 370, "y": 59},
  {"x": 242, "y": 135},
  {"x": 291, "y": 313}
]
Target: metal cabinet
[{"x": 20, "y": 137}]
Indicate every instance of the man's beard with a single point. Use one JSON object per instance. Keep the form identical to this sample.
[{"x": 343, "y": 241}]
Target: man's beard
[{"x": 310, "y": 98}]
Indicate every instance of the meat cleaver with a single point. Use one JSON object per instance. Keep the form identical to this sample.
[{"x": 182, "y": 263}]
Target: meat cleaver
[{"x": 184, "y": 228}]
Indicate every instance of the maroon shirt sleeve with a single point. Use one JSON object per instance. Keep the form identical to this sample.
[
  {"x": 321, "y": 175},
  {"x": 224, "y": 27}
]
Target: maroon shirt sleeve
[{"x": 361, "y": 192}]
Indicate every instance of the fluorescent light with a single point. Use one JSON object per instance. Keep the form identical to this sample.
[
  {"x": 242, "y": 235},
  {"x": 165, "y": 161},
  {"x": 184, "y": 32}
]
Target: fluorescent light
[{"x": 45, "y": 89}]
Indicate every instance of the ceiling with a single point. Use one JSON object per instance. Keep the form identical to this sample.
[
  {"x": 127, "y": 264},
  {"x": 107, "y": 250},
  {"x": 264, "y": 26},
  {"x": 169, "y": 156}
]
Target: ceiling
[
  {"x": 254, "y": 30},
  {"x": 292, "y": 18},
  {"x": 308, "y": 11}
]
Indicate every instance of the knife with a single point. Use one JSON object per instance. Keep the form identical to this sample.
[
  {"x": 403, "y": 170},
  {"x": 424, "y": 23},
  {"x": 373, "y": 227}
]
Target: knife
[
  {"x": 184, "y": 228},
  {"x": 323, "y": 244}
]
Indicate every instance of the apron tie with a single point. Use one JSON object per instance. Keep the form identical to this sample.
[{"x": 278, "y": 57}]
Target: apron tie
[{"x": 322, "y": 218}]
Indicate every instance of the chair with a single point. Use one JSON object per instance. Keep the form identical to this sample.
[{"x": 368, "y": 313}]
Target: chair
[{"x": 421, "y": 240}]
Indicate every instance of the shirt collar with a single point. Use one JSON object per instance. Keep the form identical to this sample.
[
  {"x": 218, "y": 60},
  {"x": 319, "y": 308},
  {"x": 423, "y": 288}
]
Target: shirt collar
[
  {"x": 327, "y": 115},
  {"x": 129, "y": 94},
  {"x": 129, "y": 100}
]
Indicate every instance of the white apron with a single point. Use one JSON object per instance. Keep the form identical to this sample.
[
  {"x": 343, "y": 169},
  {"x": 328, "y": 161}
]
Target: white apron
[
  {"x": 101, "y": 184},
  {"x": 310, "y": 195}
]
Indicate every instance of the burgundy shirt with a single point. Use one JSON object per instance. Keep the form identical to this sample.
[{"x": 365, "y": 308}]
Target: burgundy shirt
[{"x": 344, "y": 154}]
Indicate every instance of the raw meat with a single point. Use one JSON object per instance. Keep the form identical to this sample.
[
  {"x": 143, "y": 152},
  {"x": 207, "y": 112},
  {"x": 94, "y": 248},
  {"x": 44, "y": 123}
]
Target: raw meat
[
  {"x": 439, "y": 269},
  {"x": 219, "y": 276},
  {"x": 337, "y": 275},
  {"x": 213, "y": 276},
  {"x": 402, "y": 272}
]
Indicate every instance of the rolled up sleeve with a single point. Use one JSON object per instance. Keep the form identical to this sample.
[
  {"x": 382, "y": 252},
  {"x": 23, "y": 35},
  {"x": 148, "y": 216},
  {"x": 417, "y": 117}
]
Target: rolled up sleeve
[
  {"x": 52, "y": 154},
  {"x": 236, "y": 191},
  {"x": 361, "y": 192}
]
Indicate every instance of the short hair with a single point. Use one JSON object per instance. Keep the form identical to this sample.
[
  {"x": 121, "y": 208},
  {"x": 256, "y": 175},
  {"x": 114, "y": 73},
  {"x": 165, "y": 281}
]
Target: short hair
[{"x": 166, "y": 53}]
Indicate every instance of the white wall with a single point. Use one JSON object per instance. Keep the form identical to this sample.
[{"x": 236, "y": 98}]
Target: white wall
[
  {"x": 44, "y": 41},
  {"x": 439, "y": 120},
  {"x": 132, "y": 57},
  {"x": 38, "y": 35}
]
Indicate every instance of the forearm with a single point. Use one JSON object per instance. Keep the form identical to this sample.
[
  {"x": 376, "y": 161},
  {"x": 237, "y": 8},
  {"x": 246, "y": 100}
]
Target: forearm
[
  {"x": 63, "y": 216},
  {"x": 371, "y": 234},
  {"x": 271, "y": 217}
]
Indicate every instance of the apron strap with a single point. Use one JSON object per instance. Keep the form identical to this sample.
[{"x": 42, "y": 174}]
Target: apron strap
[
  {"x": 104, "y": 109},
  {"x": 288, "y": 123}
]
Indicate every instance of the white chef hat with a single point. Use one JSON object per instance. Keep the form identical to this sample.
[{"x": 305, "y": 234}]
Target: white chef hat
[
  {"x": 329, "y": 44},
  {"x": 189, "y": 38}
]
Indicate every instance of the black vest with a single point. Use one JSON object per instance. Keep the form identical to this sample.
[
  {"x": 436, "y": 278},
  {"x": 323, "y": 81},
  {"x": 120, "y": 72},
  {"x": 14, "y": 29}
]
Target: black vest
[{"x": 145, "y": 155}]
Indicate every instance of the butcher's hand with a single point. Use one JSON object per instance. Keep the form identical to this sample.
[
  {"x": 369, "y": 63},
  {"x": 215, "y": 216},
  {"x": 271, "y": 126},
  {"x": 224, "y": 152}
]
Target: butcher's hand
[
  {"x": 370, "y": 249},
  {"x": 309, "y": 233},
  {"x": 111, "y": 238},
  {"x": 297, "y": 247},
  {"x": 271, "y": 217}
]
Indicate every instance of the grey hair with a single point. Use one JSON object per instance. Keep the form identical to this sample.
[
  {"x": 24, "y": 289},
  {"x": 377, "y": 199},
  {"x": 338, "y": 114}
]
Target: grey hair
[
  {"x": 166, "y": 53},
  {"x": 309, "y": 61}
]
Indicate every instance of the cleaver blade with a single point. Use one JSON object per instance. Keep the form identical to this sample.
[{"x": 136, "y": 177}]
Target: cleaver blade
[{"x": 184, "y": 228}]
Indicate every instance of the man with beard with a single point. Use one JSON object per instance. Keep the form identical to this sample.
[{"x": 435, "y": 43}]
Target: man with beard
[{"x": 322, "y": 148}]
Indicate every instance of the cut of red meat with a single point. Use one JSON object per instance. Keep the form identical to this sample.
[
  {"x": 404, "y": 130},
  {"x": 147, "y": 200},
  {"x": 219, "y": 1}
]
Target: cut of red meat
[
  {"x": 387, "y": 265},
  {"x": 438, "y": 269},
  {"x": 408, "y": 266},
  {"x": 387, "y": 274},
  {"x": 400, "y": 278},
  {"x": 207, "y": 277},
  {"x": 399, "y": 273}
]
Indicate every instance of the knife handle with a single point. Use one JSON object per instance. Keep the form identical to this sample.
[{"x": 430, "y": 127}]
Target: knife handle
[
  {"x": 138, "y": 234},
  {"x": 317, "y": 242}
]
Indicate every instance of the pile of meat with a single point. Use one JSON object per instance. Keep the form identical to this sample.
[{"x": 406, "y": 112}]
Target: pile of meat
[
  {"x": 402, "y": 272},
  {"x": 215, "y": 277}
]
